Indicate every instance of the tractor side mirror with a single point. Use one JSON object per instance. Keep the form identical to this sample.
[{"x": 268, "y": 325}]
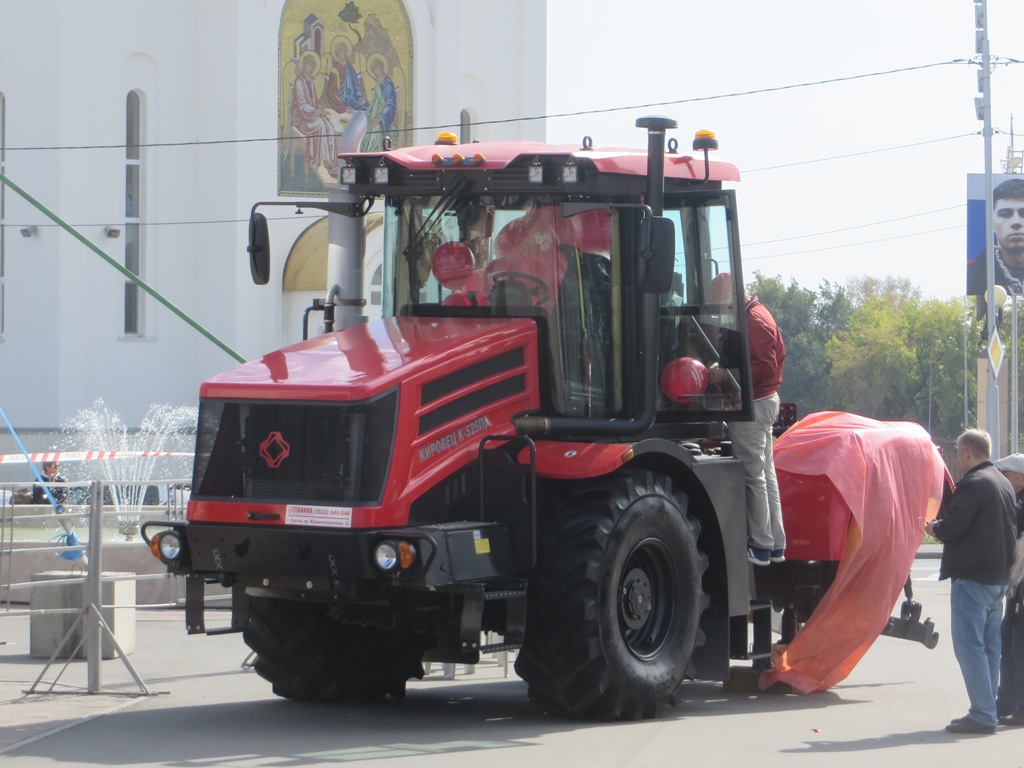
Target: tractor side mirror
[
  {"x": 259, "y": 249},
  {"x": 657, "y": 254}
]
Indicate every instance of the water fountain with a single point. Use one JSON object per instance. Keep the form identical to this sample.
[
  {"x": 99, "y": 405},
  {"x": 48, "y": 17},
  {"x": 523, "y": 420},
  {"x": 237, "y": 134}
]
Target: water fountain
[{"x": 136, "y": 463}]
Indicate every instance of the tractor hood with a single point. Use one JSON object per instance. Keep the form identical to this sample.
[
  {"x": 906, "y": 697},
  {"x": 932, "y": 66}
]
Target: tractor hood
[{"x": 358, "y": 362}]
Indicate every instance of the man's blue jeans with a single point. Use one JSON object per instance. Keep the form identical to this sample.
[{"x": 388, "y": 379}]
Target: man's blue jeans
[{"x": 976, "y": 612}]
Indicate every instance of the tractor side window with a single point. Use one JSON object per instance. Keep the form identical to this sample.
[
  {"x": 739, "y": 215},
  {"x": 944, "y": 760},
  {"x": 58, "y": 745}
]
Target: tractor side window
[
  {"x": 703, "y": 252},
  {"x": 700, "y": 315}
]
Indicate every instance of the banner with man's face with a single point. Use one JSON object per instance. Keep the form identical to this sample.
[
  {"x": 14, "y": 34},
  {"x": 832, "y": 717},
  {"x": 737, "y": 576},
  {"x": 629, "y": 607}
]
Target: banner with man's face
[{"x": 1007, "y": 232}]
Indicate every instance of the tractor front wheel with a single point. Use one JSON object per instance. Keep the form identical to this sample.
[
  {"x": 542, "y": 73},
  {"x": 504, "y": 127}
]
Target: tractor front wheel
[
  {"x": 616, "y": 600},
  {"x": 308, "y": 655}
]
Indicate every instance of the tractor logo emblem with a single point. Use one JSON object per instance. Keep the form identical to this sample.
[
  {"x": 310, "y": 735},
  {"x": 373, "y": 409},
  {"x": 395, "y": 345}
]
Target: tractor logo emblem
[{"x": 274, "y": 449}]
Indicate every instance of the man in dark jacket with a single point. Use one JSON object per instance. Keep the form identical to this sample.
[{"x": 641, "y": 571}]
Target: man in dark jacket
[
  {"x": 1010, "y": 697},
  {"x": 978, "y": 531}
]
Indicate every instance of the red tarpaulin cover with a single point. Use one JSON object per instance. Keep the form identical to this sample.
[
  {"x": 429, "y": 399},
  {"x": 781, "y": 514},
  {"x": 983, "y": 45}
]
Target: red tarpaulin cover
[{"x": 860, "y": 491}]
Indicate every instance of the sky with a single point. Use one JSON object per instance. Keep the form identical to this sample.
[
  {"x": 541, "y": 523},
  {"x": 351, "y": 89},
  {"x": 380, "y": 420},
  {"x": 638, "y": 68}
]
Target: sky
[{"x": 863, "y": 176}]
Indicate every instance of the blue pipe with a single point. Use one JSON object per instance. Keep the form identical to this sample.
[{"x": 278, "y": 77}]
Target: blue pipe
[{"x": 39, "y": 478}]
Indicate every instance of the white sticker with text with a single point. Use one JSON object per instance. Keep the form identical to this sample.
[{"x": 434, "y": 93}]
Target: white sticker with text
[{"x": 327, "y": 517}]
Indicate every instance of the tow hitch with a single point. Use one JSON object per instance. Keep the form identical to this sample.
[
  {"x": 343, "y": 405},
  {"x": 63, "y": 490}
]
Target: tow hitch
[{"x": 909, "y": 625}]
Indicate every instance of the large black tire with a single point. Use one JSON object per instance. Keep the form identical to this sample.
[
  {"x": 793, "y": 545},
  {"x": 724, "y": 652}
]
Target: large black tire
[
  {"x": 308, "y": 656},
  {"x": 616, "y": 600}
]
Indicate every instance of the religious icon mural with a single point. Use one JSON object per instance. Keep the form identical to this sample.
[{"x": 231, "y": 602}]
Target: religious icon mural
[{"x": 345, "y": 70}]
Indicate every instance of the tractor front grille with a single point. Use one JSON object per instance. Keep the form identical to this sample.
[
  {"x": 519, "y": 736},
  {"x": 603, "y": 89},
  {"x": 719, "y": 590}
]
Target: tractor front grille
[{"x": 287, "y": 451}]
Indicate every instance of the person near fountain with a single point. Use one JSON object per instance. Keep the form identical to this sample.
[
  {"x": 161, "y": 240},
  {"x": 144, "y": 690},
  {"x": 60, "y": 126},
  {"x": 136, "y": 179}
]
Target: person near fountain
[{"x": 50, "y": 474}]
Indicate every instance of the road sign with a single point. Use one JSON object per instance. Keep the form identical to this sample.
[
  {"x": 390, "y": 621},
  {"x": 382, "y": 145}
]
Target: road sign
[{"x": 996, "y": 353}]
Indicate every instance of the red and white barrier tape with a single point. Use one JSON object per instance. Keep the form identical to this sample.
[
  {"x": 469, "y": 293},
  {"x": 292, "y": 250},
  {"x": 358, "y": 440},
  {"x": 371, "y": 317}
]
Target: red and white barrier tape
[{"x": 68, "y": 456}]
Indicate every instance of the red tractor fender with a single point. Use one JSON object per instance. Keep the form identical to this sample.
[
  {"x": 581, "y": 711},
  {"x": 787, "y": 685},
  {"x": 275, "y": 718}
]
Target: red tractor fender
[{"x": 571, "y": 461}]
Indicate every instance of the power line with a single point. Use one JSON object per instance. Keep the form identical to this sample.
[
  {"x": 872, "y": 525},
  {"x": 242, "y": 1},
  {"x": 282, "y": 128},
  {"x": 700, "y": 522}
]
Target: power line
[
  {"x": 313, "y": 217},
  {"x": 856, "y": 226},
  {"x": 734, "y": 94},
  {"x": 851, "y": 245},
  {"x": 144, "y": 224},
  {"x": 554, "y": 116},
  {"x": 860, "y": 154}
]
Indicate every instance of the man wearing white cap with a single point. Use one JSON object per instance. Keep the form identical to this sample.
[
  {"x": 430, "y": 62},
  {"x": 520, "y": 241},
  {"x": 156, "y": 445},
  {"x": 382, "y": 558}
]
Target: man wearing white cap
[{"x": 1010, "y": 700}]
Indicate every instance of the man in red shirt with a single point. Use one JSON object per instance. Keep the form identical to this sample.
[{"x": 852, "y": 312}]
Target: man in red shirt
[{"x": 752, "y": 440}]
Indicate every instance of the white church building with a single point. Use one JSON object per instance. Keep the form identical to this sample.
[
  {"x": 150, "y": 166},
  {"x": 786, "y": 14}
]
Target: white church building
[{"x": 146, "y": 131}]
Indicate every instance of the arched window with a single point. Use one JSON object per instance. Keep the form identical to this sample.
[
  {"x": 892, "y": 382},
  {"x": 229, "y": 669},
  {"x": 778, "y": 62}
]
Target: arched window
[
  {"x": 132, "y": 213},
  {"x": 376, "y": 285}
]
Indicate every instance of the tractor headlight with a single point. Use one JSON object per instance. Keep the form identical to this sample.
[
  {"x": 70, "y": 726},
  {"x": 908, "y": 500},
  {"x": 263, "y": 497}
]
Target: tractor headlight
[
  {"x": 167, "y": 546},
  {"x": 386, "y": 555},
  {"x": 392, "y": 555}
]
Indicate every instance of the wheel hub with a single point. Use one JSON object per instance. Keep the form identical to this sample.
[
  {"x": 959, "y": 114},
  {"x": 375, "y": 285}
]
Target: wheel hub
[{"x": 636, "y": 598}]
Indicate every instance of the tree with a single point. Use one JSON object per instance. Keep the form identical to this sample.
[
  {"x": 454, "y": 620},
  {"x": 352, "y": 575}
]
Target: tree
[
  {"x": 808, "y": 321},
  {"x": 936, "y": 334},
  {"x": 873, "y": 364},
  {"x": 876, "y": 347},
  {"x": 901, "y": 358}
]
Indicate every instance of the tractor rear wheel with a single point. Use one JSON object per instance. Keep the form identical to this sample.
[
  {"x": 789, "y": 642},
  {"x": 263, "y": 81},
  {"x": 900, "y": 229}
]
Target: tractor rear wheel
[
  {"x": 615, "y": 606},
  {"x": 309, "y": 656}
]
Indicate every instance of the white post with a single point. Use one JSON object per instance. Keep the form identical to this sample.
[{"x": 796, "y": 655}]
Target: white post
[
  {"x": 345, "y": 254},
  {"x": 345, "y": 245}
]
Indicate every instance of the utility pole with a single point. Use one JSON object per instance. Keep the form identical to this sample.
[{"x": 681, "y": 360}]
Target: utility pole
[
  {"x": 1014, "y": 436},
  {"x": 1014, "y": 163},
  {"x": 983, "y": 110}
]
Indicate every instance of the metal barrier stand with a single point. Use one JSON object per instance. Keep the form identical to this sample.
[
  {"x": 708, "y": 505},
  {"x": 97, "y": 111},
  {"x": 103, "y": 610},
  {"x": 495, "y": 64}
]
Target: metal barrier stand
[{"x": 94, "y": 625}]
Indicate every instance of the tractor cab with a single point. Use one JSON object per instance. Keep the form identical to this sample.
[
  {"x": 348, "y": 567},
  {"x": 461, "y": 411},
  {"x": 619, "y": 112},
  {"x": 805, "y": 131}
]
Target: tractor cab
[{"x": 633, "y": 306}]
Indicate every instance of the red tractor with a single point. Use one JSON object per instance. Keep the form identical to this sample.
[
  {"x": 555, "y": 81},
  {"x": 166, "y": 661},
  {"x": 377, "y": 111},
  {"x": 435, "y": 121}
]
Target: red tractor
[{"x": 516, "y": 456}]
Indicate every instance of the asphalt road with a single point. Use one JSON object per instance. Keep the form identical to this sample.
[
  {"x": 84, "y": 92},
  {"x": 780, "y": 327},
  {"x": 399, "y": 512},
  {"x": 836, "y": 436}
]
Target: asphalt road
[{"x": 207, "y": 710}]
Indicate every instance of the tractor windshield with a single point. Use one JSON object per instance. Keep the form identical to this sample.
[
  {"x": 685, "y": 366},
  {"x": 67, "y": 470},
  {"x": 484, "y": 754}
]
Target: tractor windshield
[{"x": 525, "y": 257}]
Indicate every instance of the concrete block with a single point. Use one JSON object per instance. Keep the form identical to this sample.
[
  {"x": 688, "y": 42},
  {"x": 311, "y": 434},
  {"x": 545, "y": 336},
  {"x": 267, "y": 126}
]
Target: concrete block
[{"x": 46, "y": 631}]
